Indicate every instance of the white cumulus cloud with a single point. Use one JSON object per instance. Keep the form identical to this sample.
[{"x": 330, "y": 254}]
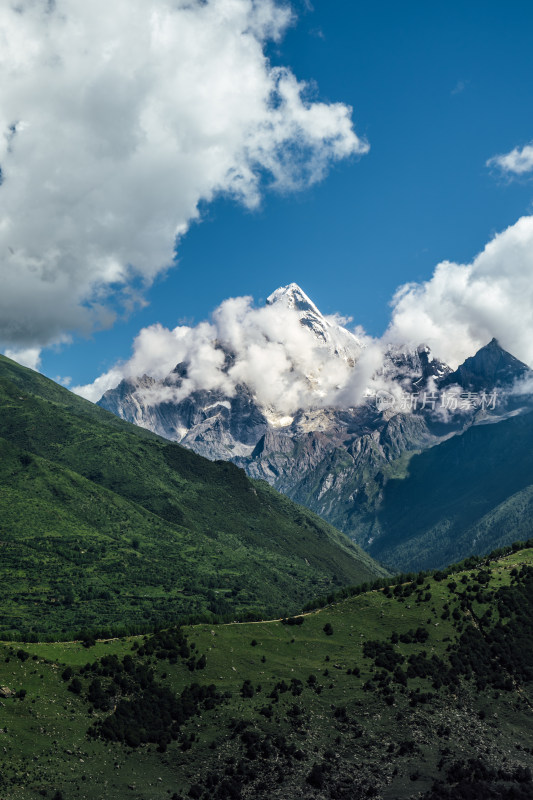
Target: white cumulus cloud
[
  {"x": 116, "y": 121},
  {"x": 518, "y": 161},
  {"x": 463, "y": 306},
  {"x": 28, "y": 356}
]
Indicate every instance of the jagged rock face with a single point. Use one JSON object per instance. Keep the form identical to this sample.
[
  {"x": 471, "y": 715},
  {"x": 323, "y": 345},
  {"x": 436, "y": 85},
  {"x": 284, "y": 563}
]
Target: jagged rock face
[
  {"x": 211, "y": 424},
  {"x": 231, "y": 429},
  {"x": 338, "y": 471},
  {"x": 336, "y": 461},
  {"x": 413, "y": 369}
]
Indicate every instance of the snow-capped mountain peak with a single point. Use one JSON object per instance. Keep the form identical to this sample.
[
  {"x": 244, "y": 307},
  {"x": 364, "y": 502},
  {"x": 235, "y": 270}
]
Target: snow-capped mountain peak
[
  {"x": 340, "y": 342},
  {"x": 292, "y": 296}
]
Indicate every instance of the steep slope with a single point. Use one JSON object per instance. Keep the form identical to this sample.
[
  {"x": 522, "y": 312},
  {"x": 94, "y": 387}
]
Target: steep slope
[
  {"x": 421, "y": 690},
  {"x": 104, "y": 523},
  {"x": 469, "y": 494}
]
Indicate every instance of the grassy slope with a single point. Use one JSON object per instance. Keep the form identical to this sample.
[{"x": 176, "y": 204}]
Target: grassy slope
[
  {"x": 105, "y": 524},
  {"x": 469, "y": 494},
  {"x": 368, "y": 748}
]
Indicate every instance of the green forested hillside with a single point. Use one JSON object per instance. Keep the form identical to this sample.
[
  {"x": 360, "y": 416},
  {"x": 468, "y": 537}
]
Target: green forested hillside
[
  {"x": 104, "y": 525},
  {"x": 470, "y": 494},
  {"x": 421, "y": 690}
]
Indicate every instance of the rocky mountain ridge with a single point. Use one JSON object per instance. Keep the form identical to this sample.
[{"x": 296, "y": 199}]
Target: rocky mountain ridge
[{"x": 335, "y": 460}]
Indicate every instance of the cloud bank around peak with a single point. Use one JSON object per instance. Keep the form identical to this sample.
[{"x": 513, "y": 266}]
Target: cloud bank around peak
[
  {"x": 281, "y": 361},
  {"x": 115, "y": 124}
]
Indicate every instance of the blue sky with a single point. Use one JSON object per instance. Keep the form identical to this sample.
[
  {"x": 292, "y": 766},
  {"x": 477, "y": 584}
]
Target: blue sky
[{"x": 437, "y": 89}]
